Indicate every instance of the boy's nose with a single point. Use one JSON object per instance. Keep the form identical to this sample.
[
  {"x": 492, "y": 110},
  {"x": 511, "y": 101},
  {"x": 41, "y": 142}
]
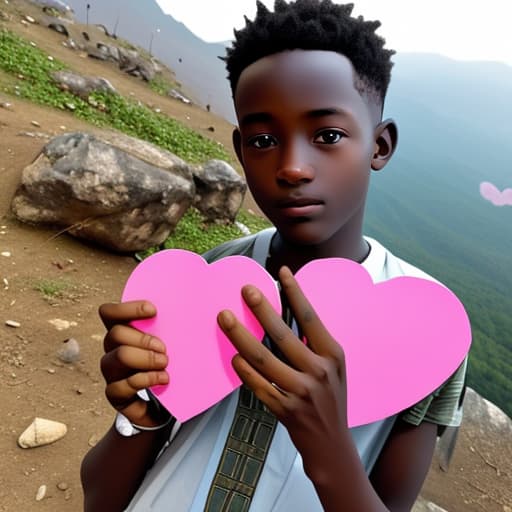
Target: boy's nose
[
  {"x": 293, "y": 168},
  {"x": 295, "y": 174}
]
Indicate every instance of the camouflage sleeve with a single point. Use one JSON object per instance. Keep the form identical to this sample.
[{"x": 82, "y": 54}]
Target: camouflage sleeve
[{"x": 444, "y": 406}]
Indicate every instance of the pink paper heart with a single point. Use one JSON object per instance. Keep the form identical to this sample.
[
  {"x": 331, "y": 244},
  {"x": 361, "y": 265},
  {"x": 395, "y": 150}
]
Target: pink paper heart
[
  {"x": 496, "y": 196},
  {"x": 188, "y": 294},
  {"x": 402, "y": 338}
]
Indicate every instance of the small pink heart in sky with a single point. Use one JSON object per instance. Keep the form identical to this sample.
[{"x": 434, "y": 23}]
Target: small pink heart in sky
[
  {"x": 188, "y": 294},
  {"x": 402, "y": 338},
  {"x": 494, "y": 195}
]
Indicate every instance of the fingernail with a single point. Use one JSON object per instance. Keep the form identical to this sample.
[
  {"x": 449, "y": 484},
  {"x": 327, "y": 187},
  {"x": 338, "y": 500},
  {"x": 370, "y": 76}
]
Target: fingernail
[
  {"x": 285, "y": 275},
  {"x": 251, "y": 295},
  {"x": 226, "y": 320},
  {"x": 148, "y": 309},
  {"x": 163, "y": 378},
  {"x": 156, "y": 345},
  {"x": 161, "y": 359}
]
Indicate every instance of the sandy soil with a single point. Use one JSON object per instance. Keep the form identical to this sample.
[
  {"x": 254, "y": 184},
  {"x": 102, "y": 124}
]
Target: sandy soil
[{"x": 34, "y": 382}]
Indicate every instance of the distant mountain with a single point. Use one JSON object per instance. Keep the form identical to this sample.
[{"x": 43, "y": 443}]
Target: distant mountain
[
  {"x": 194, "y": 61},
  {"x": 455, "y": 132}
]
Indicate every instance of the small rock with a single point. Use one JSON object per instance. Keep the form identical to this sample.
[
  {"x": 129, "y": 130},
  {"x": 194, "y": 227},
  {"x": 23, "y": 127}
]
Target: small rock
[
  {"x": 12, "y": 323},
  {"x": 62, "y": 127},
  {"x": 51, "y": 371},
  {"x": 41, "y": 432},
  {"x": 30, "y": 19},
  {"x": 62, "y": 486},
  {"x": 36, "y": 124},
  {"x": 41, "y": 493},
  {"x": 62, "y": 325},
  {"x": 70, "y": 106},
  {"x": 70, "y": 351},
  {"x": 6, "y": 254},
  {"x": 93, "y": 440},
  {"x": 6, "y": 105},
  {"x": 50, "y": 58}
]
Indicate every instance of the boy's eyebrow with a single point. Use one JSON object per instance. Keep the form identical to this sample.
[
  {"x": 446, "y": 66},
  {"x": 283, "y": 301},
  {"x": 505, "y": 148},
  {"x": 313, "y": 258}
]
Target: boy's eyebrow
[
  {"x": 330, "y": 111},
  {"x": 265, "y": 117},
  {"x": 255, "y": 117}
]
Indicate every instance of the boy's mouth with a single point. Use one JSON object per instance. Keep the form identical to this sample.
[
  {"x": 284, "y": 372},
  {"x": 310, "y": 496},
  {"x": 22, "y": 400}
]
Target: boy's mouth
[{"x": 300, "y": 206}]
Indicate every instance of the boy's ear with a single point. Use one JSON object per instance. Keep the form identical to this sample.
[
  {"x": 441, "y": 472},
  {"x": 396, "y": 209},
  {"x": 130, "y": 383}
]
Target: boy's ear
[
  {"x": 386, "y": 139},
  {"x": 237, "y": 144}
]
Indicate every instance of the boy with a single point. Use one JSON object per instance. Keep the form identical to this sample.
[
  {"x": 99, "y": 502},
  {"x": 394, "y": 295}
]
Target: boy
[{"x": 308, "y": 84}]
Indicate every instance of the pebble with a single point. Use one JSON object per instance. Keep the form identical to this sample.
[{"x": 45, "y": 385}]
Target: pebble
[
  {"x": 30, "y": 19},
  {"x": 51, "y": 371},
  {"x": 6, "y": 105},
  {"x": 12, "y": 323},
  {"x": 33, "y": 44},
  {"x": 41, "y": 493},
  {"x": 93, "y": 441},
  {"x": 62, "y": 486},
  {"x": 41, "y": 432},
  {"x": 6, "y": 254},
  {"x": 50, "y": 58},
  {"x": 70, "y": 106},
  {"x": 36, "y": 124},
  {"x": 62, "y": 325},
  {"x": 70, "y": 351}
]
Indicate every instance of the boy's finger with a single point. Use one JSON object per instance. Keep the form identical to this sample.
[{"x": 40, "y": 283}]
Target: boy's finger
[
  {"x": 122, "y": 392},
  {"x": 125, "y": 335},
  {"x": 264, "y": 390},
  {"x": 125, "y": 312},
  {"x": 318, "y": 337},
  {"x": 255, "y": 353},
  {"x": 296, "y": 352},
  {"x": 125, "y": 361}
]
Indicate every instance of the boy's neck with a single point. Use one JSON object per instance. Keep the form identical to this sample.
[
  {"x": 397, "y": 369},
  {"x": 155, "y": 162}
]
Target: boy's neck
[{"x": 295, "y": 256}]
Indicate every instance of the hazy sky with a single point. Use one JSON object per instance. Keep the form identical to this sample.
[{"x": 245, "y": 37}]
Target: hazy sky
[{"x": 461, "y": 29}]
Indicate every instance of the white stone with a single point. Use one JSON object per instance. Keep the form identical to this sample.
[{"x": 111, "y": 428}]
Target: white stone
[
  {"x": 41, "y": 432},
  {"x": 12, "y": 323},
  {"x": 62, "y": 325},
  {"x": 41, "y": 493}
]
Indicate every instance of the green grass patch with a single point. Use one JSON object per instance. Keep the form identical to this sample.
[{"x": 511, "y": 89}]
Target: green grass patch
[
  {"x": 32, "y": 69},
  {"x": 195, "y": 234},
  {"x": 51, "y": 288}
]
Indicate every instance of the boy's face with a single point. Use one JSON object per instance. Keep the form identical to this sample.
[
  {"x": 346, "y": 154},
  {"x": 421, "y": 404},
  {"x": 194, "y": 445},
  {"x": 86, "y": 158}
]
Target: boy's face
[{"x": 307, "y": 140}]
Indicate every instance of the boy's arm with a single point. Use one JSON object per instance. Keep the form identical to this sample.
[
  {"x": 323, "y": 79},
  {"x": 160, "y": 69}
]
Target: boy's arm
[
  {"x": 403, "y": 464},
  {"x": 112, "y": 471}
]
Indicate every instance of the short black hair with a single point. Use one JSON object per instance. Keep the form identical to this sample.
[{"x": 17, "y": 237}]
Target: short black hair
[{"x": 314, "y": 25}]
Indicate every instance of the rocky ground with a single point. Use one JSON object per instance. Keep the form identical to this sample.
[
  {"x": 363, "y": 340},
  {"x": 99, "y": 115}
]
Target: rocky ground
[{"x": 47, "y": 276}]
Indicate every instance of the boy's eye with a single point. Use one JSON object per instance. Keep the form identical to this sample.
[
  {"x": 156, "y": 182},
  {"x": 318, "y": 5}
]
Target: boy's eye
[
  {"x": 262, "y": 141},
  {"x": 328, "y": 136}
]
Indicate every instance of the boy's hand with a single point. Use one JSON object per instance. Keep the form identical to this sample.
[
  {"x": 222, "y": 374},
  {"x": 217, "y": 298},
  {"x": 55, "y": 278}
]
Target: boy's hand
[
  {"x": 133, "y": 360},
  {"x": 308, "y": 395}
]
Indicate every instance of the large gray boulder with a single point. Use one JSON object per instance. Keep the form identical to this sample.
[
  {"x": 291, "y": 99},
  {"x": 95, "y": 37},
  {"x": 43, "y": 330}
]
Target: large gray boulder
[
  {"x": 80, "y": 85},
  {"x": 220, "y": 191},
  {"x": 120, "y": 192}
]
